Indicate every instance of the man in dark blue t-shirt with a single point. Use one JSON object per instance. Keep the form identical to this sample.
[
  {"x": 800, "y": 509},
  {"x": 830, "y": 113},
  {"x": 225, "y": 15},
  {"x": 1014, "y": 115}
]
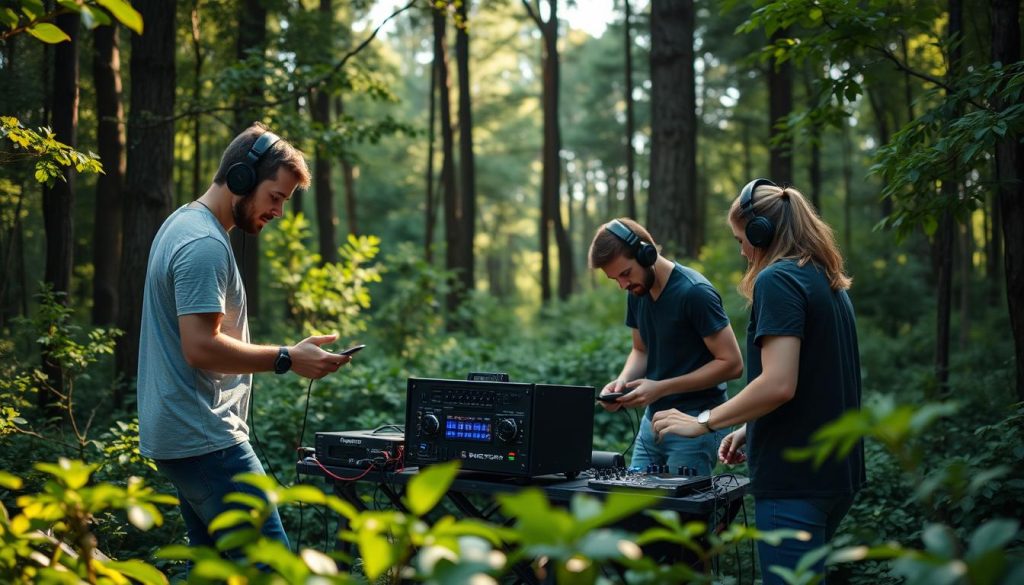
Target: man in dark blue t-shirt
[{"x": 683, "y": 348}]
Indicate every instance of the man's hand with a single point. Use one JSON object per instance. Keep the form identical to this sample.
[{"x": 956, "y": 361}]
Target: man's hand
[
  {"x": 309, "y": 361},
  {"x": 641, "y": 393},
  {"x": 616, "y": 385},
  {"x": 675, "y": 422},
  {"x": 730, "y": 450}
]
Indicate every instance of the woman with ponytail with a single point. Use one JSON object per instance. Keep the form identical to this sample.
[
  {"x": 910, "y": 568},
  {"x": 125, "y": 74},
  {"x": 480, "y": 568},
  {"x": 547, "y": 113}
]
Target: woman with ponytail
[{"x": 803, "y": 371}]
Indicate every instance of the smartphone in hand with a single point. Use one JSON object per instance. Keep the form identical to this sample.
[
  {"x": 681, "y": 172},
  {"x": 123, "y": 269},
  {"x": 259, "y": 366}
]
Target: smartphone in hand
[
  {"x": 612, "y": 396},
  {"x": 352, "y": 350}
]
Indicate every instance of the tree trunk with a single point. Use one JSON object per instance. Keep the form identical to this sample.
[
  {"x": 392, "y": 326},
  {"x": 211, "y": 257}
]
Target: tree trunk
[
  {"x": 780, "y": 104},
  {"x": 327, "y": 221},
  {"x": 552, "y": 166},
  {"x": 107, "y": 234},
  {"x": 59, "y": 200},
  {"x": 148, "y": 190},
  {"x": 814, "y": 169},
  {"x": 197, "y": 94},
  {"x": 630, "y": 119},
  {"x": 431, "y": 212},
  {"x": 252, "y": 34},
  {"x": 448, "y": 185},
  {"x": 672, "y": 210},
  {"x": 881, "y": 114},
  {"x": 1010, "y": 178},
  {"x": 467, "y": 165},
  {"x": 348, "y": 176},
  {"x": 947, "y": 228}
]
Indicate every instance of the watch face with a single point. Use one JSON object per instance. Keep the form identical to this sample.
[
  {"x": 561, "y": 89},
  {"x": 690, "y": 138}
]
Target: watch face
[{"x": 703, "y": 417}]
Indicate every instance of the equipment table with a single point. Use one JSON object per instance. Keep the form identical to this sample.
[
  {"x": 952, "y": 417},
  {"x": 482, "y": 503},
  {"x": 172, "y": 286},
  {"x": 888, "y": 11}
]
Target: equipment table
[{"x": 723, "y": 501}]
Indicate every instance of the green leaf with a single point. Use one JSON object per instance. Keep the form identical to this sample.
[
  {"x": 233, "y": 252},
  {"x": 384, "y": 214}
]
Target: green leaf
[
  {"x": 8, "y": 18},
  {"x": 123, "y": 12},
  {"x": 48, "y": 33},
  {"x": 237, "y": 538},
  {"x": 939, "y": 540},
  {"x": 992, "y": 535},
  {"x": 376, "y": 554},
  {"x": 230, "y": 519},
  {"x": 10, "y": 482},
  {"x": 429, "y": 486},
  {"x": 138, "y": 571}
]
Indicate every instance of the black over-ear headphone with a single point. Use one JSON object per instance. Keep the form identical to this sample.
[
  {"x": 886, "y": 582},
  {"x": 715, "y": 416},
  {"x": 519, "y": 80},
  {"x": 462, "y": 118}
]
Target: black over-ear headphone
[
  {"x": 645, "y": 253},
  {"x": 760, "y": 230},
  {"x": 241, "y": 176}
]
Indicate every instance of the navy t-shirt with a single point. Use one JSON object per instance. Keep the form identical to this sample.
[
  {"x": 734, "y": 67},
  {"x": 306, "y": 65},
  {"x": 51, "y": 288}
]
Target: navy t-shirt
[
  {"x": 673, "y": 328},
  {"x": 794, "y": 300}
]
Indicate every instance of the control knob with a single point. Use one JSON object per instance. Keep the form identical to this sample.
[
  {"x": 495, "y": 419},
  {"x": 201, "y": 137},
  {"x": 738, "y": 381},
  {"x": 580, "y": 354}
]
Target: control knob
[
  {"x": 507, "y": 430},
  {"x": 430, "y": 424}
]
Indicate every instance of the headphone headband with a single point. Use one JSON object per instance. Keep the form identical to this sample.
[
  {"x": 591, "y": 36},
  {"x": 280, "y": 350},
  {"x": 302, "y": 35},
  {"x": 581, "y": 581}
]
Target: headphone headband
[
  {"x": 747, "y": 195},
  {"x": 261, "y": 146},
  {"x": 645, "y": 253},
  {"x": 622, "y": 232}
]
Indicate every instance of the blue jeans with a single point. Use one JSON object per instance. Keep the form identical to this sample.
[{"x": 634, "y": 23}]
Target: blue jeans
[
  {"x": 675, "y": 450},
  {"x": 820, "y": 517},
  {"x": 203, "y": 481}
]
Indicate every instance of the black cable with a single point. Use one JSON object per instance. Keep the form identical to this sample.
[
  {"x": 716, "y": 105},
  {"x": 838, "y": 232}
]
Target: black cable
[{"x": 632, "y": 429}]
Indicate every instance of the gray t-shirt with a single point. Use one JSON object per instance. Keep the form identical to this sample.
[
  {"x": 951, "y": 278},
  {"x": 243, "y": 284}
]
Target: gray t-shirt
[{"x": 184, "y": 411}]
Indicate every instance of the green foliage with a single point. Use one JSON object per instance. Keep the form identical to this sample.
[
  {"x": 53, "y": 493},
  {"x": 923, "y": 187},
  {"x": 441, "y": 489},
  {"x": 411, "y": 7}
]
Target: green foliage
[
  {"x": 40, "y": 144},
  {"x": 322, "y": 298},
  {"x": 988, "y": 557},
  {"x": 65, "y": 509},
  {"x": 32, "y": 16}
]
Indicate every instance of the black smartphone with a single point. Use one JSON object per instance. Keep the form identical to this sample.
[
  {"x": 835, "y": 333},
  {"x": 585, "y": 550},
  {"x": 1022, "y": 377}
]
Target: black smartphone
[
  {"x": 352, "y": 350},
  {"x": 611, "y": 396}
]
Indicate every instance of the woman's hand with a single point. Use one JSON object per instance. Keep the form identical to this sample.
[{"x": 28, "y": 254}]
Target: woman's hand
[
  {"x": 730, "y": 450},
  {"x": 679, "y": 423}
]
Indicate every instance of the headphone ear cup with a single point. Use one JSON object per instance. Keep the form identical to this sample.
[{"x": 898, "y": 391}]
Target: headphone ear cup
[
  {"x": 646, "y": 255},
  {"x": 241, "y": 178},
  {"x": 760, "y": 231}
]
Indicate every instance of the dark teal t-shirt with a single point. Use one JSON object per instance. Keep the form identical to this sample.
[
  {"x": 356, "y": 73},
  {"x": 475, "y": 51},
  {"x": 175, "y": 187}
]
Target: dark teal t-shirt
[
  {"x": 673, "y": 328},
  {"x": 794, "y": 300}
]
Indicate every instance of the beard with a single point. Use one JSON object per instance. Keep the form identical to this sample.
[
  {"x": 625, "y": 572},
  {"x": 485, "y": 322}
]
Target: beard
[
  {"x": 243, "y": 216},
  {"x": 644, "y": 287}
]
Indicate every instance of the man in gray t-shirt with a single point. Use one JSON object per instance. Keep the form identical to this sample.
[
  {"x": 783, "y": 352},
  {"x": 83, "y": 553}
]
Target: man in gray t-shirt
[{"x": 195, "y": 358}]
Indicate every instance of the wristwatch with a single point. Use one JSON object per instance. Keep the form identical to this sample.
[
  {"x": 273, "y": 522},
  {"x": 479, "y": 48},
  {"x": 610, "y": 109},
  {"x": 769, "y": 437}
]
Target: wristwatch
[
  {"x": 704, "y": 418},
  {"x": 283, "y": 363}
]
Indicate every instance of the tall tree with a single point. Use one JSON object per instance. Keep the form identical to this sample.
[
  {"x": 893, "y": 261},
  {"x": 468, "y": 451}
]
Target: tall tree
[
  {"x": 673, "y": 209},
  {"x": 449, "y": 189},
  {"x": 431, "y": 203},
  {"x": 1010, "y": 178},
  {"x": 467, "y": 165},
  {"x": 348, "y": 175},
  {"x": 252, "y": 39},
  {"x": 631, "y": 210},
  {"x": 58, "y": 199},
  {"x": 551, "y": 176},
  {"x": 149, "y": 180},
  {"x": 950, "y": 193},
  {"x": 780, "y": 104},
  {"x": 197, "y": 94},
  {"x": 107, "y": 234},
  {"x": 326, "y": 218}
]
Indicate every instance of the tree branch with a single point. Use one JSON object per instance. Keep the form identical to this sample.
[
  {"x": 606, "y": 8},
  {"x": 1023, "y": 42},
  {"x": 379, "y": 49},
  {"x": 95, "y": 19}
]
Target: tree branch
[
  {"x": 533, "y": 14},
  {"x": 314, "y": 84}
]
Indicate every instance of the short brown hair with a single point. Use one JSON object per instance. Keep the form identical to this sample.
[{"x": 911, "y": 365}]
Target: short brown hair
[
  {"x": 281, "y": 154},
  {"x": 606, "y": 246}
]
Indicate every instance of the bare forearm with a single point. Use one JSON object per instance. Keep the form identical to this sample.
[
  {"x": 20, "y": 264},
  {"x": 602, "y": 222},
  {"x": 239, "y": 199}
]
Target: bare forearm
[
  {"x": 635, "y": 366},
  {"x": 758, "y": 399},
  {"x": 710, "y": 374},
  {"x": 226, "y": 355}
]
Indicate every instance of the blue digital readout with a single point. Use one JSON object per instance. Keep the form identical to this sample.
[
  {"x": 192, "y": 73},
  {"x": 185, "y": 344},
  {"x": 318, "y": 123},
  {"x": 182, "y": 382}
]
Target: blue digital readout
[{"x": 467, "y": 428}]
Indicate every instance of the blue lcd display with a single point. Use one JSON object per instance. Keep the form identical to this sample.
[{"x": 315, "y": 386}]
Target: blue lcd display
[{"x": 467, "y": 428}]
